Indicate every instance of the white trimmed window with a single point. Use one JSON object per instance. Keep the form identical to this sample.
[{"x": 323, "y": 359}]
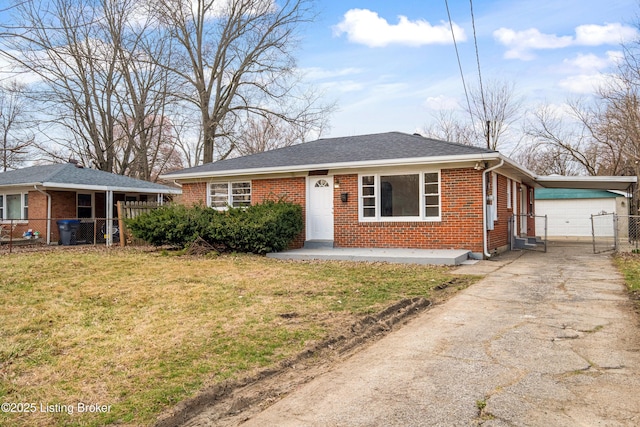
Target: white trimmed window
[
  {"x": 224, "y": 194},
  {"x": 14, "y": 206},
  {"x": 402, "y": 196}
]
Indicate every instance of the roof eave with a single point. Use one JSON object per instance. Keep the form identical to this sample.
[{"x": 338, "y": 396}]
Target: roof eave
[
  {"x": 342, "y": 165},
  {"x": 63, "y": 186},
  {"x": 25, "y": 184},
  {"x": 587, "y": 182}
]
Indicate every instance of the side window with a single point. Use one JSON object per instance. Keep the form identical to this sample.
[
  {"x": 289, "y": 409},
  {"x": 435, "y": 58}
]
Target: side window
[{"x": 85, "y": 207}]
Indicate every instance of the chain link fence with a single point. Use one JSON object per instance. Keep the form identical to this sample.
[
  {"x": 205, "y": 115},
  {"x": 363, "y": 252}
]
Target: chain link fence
[
  {"x": 612, "y": 232},
  {"x": 60, "y": 231}
]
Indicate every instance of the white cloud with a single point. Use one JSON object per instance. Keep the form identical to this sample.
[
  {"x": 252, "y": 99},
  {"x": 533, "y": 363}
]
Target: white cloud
[
  {"x": 317, "y": 73},
  {"x": 441, "y": 102},
  {"x": 588, "y": 72},
  {"x": 583, "y": 83},
  {"x": 521, "y": 44},
  {"x": 343, "y": 86},
  {"x": 596, "y": 35},
  {"x": 368, "y": 28},
  {"x": 588, "y": 62}
]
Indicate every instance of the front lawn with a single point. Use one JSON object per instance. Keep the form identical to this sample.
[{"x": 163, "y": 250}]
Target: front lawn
[{"x": 134, "y": 332}]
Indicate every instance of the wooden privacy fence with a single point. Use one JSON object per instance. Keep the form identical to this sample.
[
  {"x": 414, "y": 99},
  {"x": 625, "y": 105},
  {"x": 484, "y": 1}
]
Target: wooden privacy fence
[{"x": 128, "y": 210}]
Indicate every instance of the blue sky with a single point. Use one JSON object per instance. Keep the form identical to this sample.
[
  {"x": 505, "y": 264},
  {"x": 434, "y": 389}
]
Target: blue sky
[{"x": 391, "y": 65}]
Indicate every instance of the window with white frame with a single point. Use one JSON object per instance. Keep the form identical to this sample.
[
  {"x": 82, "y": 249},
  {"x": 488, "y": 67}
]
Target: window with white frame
[
  {"x": 223, "y": 194},
  {"x": 508, "y": 193},
  {"x": 14, "y": 206},
  {"x": 406, "y": 196}
]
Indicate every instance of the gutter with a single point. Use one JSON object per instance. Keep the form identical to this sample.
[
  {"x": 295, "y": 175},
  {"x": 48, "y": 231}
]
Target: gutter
[
  {"x": 48, "y": 212},
  {"x": 484, "y": 207}
]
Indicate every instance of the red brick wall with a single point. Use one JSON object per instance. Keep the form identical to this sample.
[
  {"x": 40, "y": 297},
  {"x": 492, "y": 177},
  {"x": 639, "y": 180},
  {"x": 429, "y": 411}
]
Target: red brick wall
[
  {"x": 63, "y": 206},
  {"x": 194, "y": 193},
  {"x": 460, "y": 227},
  {"x": 292, "y": 190}
]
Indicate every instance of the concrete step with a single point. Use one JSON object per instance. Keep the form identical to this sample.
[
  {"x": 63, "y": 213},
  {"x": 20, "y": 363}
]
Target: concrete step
[{"x": 318, "y": 244}]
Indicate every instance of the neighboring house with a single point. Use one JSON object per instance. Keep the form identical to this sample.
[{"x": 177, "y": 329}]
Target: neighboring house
[
  {"x": 35, "y": 197},
  {"x": 569, "y": 211},
  {"x": 382, "y": 191}
]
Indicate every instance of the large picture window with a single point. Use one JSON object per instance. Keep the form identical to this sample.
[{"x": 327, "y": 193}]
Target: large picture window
[
  {"x": 223, "y": 194},
  {"x": 414, "y": 196}
]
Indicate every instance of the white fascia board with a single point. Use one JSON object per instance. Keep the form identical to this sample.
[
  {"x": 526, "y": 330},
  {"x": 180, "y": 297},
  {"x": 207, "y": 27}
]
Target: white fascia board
[
  {"x": 595, "y": 182},
  {"x": 343, "y": 165},
  {"x": 26, "y": 184},
  {"x": 58, "y": 186}
]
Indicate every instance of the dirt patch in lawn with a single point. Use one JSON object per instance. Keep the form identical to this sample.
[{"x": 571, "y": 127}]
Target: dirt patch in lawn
[{"x": 231, "y": 402}]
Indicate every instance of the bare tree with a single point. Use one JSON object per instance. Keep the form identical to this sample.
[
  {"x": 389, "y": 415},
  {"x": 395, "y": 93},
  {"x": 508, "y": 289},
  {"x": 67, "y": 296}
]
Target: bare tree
[
  {"x": 448, "y": 127},
  {"x": 99, "y": 79},
  {"x": 490, "y": 115},
  {"x": 15, "y": 137},
  {"x": 235, "y": 61},
  {"x": 547, "y": 160},
  {"x": 494, "y": 108}
]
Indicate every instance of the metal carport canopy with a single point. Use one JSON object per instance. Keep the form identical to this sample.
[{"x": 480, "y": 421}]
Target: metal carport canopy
[{"x": 621, "y": 183}]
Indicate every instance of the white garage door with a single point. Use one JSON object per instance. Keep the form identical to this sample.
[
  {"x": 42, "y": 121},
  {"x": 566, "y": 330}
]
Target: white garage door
[{"x": 572, "y": 218}]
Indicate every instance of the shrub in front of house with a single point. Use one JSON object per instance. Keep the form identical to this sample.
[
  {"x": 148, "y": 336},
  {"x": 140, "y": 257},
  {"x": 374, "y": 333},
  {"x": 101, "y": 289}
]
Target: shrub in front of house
[
  {"x": 173, "y": 225},
  {"x": 261, "y": 228},
  {"x": 266, "y": 227}
]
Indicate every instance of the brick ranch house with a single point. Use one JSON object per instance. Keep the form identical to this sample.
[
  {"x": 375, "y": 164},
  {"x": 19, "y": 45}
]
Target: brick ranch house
[
  {"x": 35, "y": 197},
  {"x": 388, "y": 190}
]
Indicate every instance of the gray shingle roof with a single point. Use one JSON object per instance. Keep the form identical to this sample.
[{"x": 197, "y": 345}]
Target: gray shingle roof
[
  {"x": 67, "y": 174},
  {"x": 383, "y": 146}
]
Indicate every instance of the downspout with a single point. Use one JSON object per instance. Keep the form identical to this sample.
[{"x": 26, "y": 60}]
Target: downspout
[
  {"x": 48, "y": 212},
  {"x": 484, "y": 207}
]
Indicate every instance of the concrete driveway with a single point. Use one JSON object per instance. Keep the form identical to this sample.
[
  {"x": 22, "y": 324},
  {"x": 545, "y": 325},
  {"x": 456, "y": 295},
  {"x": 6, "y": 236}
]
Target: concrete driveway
[{"x": 544, "y": 340}]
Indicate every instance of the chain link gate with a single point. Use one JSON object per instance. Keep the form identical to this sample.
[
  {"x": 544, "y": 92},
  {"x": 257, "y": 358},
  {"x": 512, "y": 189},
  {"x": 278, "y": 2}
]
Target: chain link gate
[{"x": 604, "y": 232}]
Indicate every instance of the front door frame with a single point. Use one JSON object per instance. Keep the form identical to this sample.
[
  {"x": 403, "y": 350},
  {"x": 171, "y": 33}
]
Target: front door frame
[{"x": 311, "y": 181}]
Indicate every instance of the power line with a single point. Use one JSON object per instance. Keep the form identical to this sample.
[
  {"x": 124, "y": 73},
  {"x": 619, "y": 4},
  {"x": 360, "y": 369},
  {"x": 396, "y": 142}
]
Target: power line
[
  {"x": 484, "y": 105},
  {"x": 455, "y": 44}
]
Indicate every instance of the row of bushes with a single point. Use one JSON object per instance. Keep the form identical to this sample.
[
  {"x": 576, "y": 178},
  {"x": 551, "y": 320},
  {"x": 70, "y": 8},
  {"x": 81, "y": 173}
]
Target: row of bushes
[{"x": 261, "y": 228}]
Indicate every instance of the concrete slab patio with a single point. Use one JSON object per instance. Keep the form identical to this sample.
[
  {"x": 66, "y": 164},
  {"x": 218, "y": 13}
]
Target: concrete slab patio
[
  {"x": 392, "y": 255},
  {"x": 543, "y": 340}
]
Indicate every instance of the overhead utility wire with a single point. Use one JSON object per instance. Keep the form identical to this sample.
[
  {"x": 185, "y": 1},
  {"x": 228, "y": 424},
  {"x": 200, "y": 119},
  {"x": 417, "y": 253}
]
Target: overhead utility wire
[
  {"x": 484, "y": 104},
  {"x": 455, "y": 45}
]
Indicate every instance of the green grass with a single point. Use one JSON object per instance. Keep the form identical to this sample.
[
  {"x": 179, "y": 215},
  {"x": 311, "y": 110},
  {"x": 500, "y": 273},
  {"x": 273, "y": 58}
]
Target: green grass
[
  {"x": 629, "y": 265},
  {"x": 141, "y": 331}
]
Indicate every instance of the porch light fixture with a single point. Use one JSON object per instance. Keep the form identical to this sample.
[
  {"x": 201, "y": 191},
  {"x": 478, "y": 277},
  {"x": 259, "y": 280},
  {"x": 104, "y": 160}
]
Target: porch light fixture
[
  {"x": 480, "y": 166},
  {"x": 336, "y": 183}
]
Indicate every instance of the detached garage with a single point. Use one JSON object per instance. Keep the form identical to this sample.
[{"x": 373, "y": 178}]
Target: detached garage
[{"x": 569, "y": 210}]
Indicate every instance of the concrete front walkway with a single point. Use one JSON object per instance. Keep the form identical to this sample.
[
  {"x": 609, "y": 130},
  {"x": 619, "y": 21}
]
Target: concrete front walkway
[{"x": 544, "y": 340}]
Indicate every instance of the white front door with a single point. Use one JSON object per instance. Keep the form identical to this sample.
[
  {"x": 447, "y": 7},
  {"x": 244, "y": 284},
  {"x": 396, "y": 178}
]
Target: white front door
[{"x": 320, "y": 208}]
